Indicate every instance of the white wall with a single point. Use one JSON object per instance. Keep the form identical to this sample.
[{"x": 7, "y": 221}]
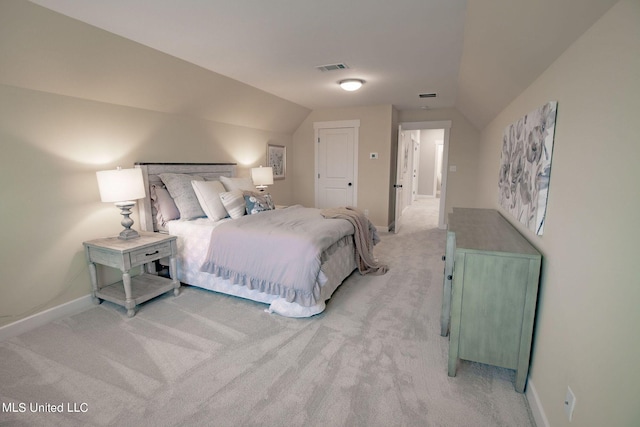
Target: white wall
[{"x": 588, "y": 314}]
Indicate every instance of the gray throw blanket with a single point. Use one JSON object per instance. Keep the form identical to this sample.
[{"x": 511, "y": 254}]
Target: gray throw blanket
[{"x": 365, "y": 237}]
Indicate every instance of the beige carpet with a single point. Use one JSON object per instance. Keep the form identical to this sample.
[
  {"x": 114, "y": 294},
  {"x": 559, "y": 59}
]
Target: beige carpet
[{"x": 373, "y": 358}]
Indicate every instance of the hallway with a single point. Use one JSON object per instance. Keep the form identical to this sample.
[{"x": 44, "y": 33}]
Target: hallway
[{"x": 422, "y": 214}]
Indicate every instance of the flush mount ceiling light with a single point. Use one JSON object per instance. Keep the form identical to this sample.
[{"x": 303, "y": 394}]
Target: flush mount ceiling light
[{"x": 351, "y": 84}]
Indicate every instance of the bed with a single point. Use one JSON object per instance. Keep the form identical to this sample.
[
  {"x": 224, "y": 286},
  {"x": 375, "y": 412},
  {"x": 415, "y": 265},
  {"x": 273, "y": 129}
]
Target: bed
[{"x": 196, "y": 232}]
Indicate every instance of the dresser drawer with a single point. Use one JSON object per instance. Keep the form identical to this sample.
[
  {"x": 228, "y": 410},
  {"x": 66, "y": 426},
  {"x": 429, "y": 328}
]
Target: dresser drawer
[{"x": 143, "y": 256}]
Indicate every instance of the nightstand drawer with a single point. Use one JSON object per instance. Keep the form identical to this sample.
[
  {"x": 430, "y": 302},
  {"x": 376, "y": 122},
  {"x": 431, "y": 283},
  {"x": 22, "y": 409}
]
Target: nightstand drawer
[
  {"x": 143, "y": 256},
  {"x": 105, "y": 257}
]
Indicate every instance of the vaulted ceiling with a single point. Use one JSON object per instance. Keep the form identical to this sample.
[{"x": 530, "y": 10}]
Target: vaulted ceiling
[{"x": 477, "y": 56}]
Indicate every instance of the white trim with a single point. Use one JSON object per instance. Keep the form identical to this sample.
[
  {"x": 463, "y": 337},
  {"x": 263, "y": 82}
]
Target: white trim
[
  {"x": 337, "y": 124},
  {"x": 381, "y": 229},
  {"x": 355, "y": 124},
  {"x": 442, "y": 216},
  {"x": 535, "y": 405},
  {"x": 39, "y": 319},
  {"x": 437, "y": 164},
  {"x": 442, "y": 124}
]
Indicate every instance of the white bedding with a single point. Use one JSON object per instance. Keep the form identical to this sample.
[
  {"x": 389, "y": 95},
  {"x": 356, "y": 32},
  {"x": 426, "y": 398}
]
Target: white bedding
[{"x": 338, "y": 262}]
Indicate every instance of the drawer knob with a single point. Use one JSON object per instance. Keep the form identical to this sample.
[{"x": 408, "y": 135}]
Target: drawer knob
[
  {"x": 444, "y": 258},
  {"x": 450, "y": 277}
]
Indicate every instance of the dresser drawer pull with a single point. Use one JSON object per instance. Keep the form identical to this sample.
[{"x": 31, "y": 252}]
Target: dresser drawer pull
[
  {"x": 153, "y": 253},
  {"x": 449, "y": 277},
  {"x": 444, "y": 257}
]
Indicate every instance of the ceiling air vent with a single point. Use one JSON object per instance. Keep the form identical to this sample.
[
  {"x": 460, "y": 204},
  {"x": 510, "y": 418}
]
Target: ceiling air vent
[
  {"x": 428, "y": 95},
  {"x": 332, "y": 67}
]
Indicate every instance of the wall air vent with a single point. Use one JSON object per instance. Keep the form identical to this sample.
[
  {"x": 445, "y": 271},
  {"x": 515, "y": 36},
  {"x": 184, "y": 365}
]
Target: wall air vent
[
  {"x": 428, "y": 95},
  {"x": 332, "y": 67}
]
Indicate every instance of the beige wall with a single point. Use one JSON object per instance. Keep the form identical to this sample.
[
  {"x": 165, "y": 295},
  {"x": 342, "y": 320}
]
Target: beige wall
[
  {"x": 373, "y": 175},
  {"x": 588, "y": 317},
  {"x": 426, "y": 172},
  {"x": 463, "y": 153},
  {"x": 74, "y": 100}
]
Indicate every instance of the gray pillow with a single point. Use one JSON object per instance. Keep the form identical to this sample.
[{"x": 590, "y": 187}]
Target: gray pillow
[
  {"x": 165, "y": 206},
  {"x": 181, "y": 190}
]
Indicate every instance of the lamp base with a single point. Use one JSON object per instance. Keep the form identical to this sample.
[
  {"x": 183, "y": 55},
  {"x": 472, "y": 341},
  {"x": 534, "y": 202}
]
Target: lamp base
[
  {"x": 128, "y": 234},
  {"x": 125, "y": 211}
]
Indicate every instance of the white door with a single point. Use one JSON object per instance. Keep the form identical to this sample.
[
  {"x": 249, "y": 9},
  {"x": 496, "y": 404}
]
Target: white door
[
  {"x": 416, "y": 170},
  {"x": 335, "y": 178},
  {"x": 401, "y": 168}
]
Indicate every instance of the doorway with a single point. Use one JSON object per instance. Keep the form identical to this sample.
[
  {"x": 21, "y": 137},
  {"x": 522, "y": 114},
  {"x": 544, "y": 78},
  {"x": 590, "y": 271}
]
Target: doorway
[{"x": 431, "y": 179}]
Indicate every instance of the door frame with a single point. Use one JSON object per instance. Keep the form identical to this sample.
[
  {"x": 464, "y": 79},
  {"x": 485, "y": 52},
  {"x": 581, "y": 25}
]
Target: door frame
[
  {"x": 439, "y": 147},
  {"x": 416, "y": 169},
  {"x": 446, "y": 125},
  {"x": 338, "y": 124}
]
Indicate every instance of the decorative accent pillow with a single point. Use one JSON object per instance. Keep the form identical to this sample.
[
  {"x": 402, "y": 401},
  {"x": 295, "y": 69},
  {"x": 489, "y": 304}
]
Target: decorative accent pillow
[
  {"x": 233, "y": 202},
  {"x": 166, "y": 209},
  {"x": 208, "y": 194},
  {"x": 244, "y": 184},
  {"x": 258, "y": 202},
  {"x": 181, "y": 190}
]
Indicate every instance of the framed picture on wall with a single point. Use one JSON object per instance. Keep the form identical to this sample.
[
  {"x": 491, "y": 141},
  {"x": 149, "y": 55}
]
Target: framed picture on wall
[{"x": 277, "y": 159}]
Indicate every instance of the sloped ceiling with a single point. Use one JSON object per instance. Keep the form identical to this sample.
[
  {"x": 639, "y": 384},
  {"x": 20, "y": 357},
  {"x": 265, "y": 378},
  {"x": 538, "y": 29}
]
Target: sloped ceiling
[
  {"x": 476, "y": 56},
  {"x": 508, "y": 44}
]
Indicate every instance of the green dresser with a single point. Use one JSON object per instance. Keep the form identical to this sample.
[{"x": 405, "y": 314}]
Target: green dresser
[{"x": 490, "y": 292}]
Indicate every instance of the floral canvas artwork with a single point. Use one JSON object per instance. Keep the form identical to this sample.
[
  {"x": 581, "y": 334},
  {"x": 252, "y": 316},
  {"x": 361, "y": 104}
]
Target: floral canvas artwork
[
  {"x": 277, "y": 159},
  {"x": 525, "y": 166}
]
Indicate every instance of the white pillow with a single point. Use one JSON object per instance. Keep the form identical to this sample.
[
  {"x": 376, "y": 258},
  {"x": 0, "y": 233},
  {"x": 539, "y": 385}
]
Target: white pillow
[
  {"x": 208, "y": 194},
  {"x": 244, "y": 184},
  {"x": 233, "y": 202}
]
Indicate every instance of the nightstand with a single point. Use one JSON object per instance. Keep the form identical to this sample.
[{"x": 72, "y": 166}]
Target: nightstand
[{"x": 125, "y": 255}]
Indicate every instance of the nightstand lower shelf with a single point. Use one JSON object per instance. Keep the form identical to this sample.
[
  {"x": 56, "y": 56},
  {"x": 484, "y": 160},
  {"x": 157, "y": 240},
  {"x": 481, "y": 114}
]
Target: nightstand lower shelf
[{"x": 143, "y": 288}]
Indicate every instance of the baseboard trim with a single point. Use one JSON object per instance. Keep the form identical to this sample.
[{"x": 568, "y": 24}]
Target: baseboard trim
[
  {"x": 29, "y": 323},
  {"x": 536, "y": 406},
  {"x": 381, "y": 229}
]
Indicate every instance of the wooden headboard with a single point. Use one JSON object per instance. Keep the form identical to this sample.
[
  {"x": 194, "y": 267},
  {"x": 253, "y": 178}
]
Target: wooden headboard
[{"x": 151, "y": 172}]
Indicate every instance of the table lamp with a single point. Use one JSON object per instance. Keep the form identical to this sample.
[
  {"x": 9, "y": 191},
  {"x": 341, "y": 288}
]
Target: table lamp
[
  {"x": 262, "y": 177},
  {"x": 122, "y": 187}
]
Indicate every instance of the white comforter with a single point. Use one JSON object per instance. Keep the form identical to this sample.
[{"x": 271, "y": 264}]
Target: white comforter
[{"x": 277, "y": 252}]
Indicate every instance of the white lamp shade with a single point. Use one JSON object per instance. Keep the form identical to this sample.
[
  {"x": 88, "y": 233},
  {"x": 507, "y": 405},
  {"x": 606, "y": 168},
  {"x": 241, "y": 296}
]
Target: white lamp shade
[
  {"x": 262, "y": 176},
  {"x": 121, "y": 185}
]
